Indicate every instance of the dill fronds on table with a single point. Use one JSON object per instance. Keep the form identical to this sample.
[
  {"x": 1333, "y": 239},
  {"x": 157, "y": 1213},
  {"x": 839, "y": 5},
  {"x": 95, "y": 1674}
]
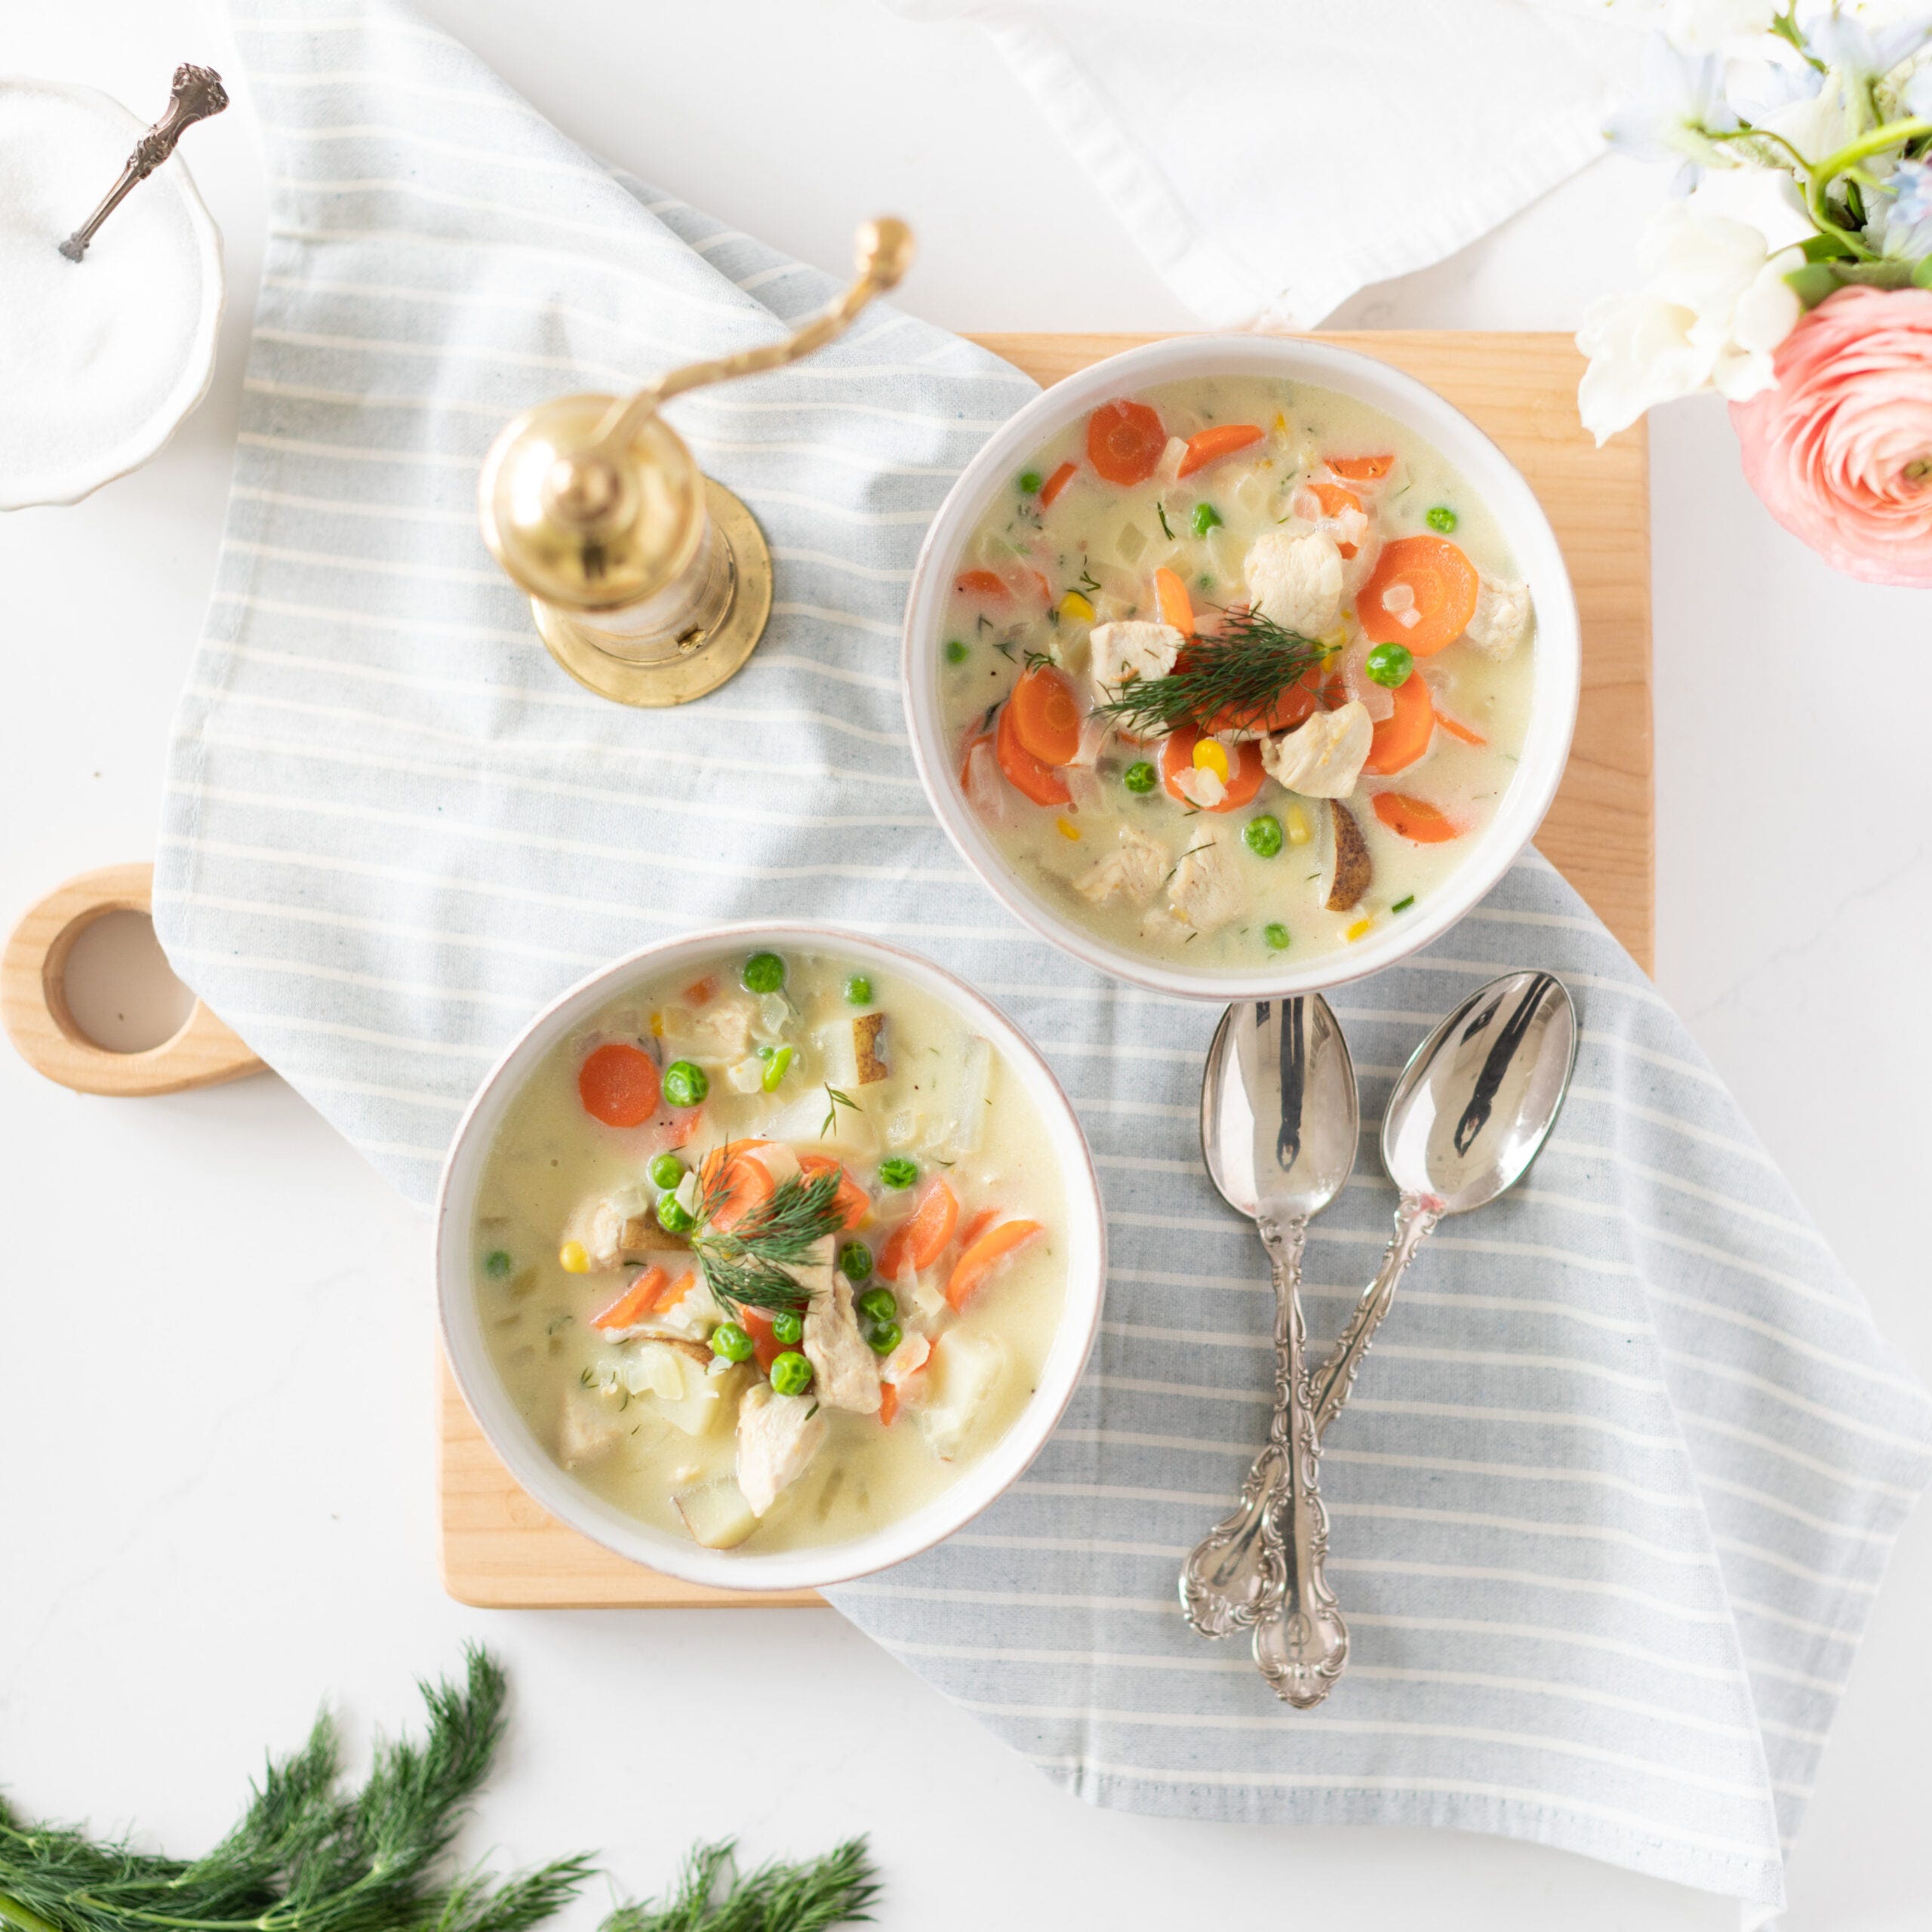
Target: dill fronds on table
[
  {"x": 1241, "y": 673},
  {"x": 749, "y": 1264},
  {"x": 306, "y": 1856}
]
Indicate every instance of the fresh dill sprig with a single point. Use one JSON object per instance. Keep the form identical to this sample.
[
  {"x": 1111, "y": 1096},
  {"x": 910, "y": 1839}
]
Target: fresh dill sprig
[
  {"x": 749, "y": 1264},
  {"x": 1236, "y": 676},
  {"x": 712, "y": 1895},
  {"x": 834, "y": 1098},
  {"x": 306, "y": 1856}
]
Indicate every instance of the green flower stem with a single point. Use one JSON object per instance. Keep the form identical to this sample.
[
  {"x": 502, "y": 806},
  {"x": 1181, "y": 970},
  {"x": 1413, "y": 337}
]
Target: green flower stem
[
  {"x": 13, "y": 1913},
  {"x": 1893, "y": 134}
]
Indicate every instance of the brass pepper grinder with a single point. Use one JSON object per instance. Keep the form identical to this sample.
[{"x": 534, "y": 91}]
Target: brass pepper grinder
[{"x": 650, "y": 582}]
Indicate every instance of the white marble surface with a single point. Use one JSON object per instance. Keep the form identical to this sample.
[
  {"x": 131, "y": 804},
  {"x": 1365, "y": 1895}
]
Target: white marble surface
[{"x": 215, "y": 1372}]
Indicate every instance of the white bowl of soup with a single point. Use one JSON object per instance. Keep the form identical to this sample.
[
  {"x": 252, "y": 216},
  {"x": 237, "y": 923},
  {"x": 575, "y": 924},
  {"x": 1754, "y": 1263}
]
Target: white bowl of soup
[
  {"x": 768, "y": 1257},
  {"x": 1240, "y": 666}
]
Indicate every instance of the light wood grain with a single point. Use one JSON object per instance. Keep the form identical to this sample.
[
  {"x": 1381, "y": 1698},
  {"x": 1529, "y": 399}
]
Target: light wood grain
[
  {"x": 500, "y": 1550},
  {"x": 33, "y": 1001}
]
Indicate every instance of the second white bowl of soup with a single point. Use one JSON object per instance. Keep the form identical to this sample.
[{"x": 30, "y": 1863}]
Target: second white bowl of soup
[
  {"x": 1240, "y": 666},
  {"x": 769, "y": 1257}
]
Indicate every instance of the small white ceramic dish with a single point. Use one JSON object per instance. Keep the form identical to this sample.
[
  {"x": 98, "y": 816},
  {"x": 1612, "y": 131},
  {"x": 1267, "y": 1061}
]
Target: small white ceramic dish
[
  {"x": 1293, "y": 359},
  {"x": 164, "y": 219},
  {"x": 1000, "y": 1464}
]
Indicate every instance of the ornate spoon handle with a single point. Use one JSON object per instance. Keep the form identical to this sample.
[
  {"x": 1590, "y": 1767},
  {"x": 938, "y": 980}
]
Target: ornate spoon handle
[
  {"x": 197, "y": 92},
  {"x": 1261, "y": 1567},
  {"x": 1329, "y": 1384}
]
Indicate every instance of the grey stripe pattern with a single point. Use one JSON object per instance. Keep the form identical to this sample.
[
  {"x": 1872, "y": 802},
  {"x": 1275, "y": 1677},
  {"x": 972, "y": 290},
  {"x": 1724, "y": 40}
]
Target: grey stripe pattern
[{"x": 1620, "y": 1479}]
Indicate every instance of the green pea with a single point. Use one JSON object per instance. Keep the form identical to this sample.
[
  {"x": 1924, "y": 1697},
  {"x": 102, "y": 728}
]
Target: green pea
[
  {"x": 765, "y": 973},
  {"x": 1030, "y": 480},
  {"x": 1390, "y": 664},
  {"x": 673, "y": 1217},
  {"x": 775, "y": 1061},
  {"x": 1442, "y": 518},
  {"x": 667, "y": 1170},
  {"x": 855, "y": 1261},
  {"x": 886, "y": 1337},
  {"x": 791, "y": 1373},
  {"x": 1204, "y": 582},
  {"x": 858, "y": 990},
  {"x": 879, "y": 1304},
  {"x": 1263, "y": 835},
  {"x": 497, "y": 1264},
  {"x": 788, "y": 1326},
  {"x": 956, "y": 651},
  {"x": 731, "y": 1342},
  {"x": 1276, "y": 934},
  {"x": 1139, "y": 777},
  {"x": 1206, "y": 517},
  {"x": 898, "y": 1171},
  {"x": 685, "y": 1083},
  {"x": 1403, "y": 905}
]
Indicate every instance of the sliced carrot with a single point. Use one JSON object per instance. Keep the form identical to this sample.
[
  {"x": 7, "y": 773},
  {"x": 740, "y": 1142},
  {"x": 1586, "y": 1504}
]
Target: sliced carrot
[
  {"x": 634, "y": 1304},
  {"x": 975, "y": 738},
  {"x": 977, "y": 1226},
  {"x": 1415, "y": 820},
  {"x": 1295, "y": 704},
  {"x": 920, "y": 1240},
  {"x": 746, "y": 1180},
  {"x": 1211, "y": 445},
  {"x": 1443, "y": 582},
  {"x": 1457, "y": 729},
  {"x": 1046, "y": 716},
  {"x": 1363, "y": 469},
  {"x": 1040, "y": 583},
  {"x": 1056, "y": 483},
  {"x": 1024, "y": 772},
  {"x": 981, "y": 583},
  {"x": 1402, "y": 737},
  {"x": 1244, "y": 768},
  {"x": 1337, "y": 501},
  {"x": 888, "y": 1402},
  {"x": 851, "y": 1198},
  {"x": 1177, "y": 606},
  {"x": 994, "y": 1248},
  {"x": 618, "y": 1085},
  {"x": 675, "y": 1292},
  {"x": 766, "y": 1347},
  {"x": 683, "y": 1122},
  {"x": 1124, "y": 440},
  {"x": 700, "y": 991}
]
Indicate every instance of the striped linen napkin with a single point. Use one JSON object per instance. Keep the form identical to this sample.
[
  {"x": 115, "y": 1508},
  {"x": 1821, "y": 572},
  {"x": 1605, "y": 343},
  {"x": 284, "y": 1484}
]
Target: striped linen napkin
[{"x": 1619, "y": 1485}]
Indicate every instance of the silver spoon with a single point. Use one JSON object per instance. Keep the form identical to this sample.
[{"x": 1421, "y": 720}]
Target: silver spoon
[
  {"x": 1468, "y": 1115},
  {"x": 1280, "y": 1124}
]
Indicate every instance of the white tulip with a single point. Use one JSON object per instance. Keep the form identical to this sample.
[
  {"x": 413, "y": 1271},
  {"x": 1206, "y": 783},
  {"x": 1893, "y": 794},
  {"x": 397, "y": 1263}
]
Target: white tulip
[{"x": 1711, "y": 315}]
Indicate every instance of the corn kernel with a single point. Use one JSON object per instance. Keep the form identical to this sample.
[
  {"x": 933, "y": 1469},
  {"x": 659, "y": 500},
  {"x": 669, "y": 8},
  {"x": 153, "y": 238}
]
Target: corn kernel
[
  {"x": 1075, "y": 606},
  {"x": 1067, "y": 829},
  {"x": 658, "y": 1025},
  {"x": 1210, "y": 755},
  {"x": 1280, "y": 424},
  {"x": 574, "y": 1259},
  {"x": 1298, "y": 832},
  {"x": 1356, "y": 930}
]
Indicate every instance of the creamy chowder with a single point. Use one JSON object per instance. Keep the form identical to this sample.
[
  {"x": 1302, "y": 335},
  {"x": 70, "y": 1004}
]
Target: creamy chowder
[
  {"x": 772, "y": 1252},
  {"x": 1235, "y": 669}
]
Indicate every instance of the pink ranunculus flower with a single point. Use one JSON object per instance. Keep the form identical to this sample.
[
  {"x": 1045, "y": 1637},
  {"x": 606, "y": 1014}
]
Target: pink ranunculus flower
[{"x": 1840, "y": 450}]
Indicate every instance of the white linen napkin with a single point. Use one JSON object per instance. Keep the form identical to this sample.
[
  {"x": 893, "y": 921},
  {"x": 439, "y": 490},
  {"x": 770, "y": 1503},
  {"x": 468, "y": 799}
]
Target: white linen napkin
[
  {"x": 1271, "y": 157},
  {"x": 1619, "y": 1484}
]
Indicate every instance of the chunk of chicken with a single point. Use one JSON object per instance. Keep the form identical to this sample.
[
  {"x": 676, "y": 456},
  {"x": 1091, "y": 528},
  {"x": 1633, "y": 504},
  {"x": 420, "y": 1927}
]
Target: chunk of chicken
[
  {"x": 1205, "y": 891},
  {"x": 844, "y": 1370},
  {"x": 1323, "y": 758},
  {"x": 1502, "y": 616},
  {"x": 778, "y": 1435},
  {"x": 1132, "y": 873},
  {"x": 723, "y": 1030},
  {"x": 1132, "y": 648},
  {"x": 1295, "y": 581},
  {"x": 609, "y": 1226},
  {"x": 585, "y": 1430}
]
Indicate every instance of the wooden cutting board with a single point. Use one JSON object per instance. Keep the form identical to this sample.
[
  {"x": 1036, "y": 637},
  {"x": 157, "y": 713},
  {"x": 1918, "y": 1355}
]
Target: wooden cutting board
[{"x": 501, "y": 1551}]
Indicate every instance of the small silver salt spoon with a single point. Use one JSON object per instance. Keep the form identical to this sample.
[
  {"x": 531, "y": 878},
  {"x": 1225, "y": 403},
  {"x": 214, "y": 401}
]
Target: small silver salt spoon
[{"x": 196, "y": 94}]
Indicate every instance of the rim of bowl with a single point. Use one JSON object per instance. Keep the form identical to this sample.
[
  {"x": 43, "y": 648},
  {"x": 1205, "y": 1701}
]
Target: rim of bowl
[
  {"x": 1418, "y": 409},
  {"x": 575, "y": 1503},
  {"x": 58, "y": 490}
]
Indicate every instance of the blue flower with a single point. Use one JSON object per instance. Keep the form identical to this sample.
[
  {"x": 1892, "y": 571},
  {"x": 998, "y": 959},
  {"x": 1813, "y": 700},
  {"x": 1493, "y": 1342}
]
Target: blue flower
[
  {"x": 1904, "y": 223},
  {"x": 1681, "y": 105},
  {"x": 1860, "y": 53}
]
